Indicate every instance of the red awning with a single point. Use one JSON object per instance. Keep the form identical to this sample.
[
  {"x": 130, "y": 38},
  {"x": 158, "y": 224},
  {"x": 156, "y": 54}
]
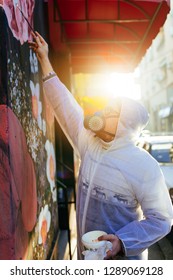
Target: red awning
[{"x": 102, "y": 35}]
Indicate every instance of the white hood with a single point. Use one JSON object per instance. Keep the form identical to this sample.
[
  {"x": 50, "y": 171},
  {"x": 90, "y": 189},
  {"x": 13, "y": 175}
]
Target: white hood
[{"x": 133, "y": 118}]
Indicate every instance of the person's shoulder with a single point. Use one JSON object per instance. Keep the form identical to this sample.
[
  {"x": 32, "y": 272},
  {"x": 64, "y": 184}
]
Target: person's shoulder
[{"x": 142, "y": 155}]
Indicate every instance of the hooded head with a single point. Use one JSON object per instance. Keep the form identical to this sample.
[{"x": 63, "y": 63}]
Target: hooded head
[
  {"x": 121, "y": 118},
  {"x": 133, "y": 118}
]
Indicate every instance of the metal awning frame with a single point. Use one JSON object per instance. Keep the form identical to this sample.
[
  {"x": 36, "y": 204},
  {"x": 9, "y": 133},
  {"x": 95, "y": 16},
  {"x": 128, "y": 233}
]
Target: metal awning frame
[{"x": 87, "y": 44}]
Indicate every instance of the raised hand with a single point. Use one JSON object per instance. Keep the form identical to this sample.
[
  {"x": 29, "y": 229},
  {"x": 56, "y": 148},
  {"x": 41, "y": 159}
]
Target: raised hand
[{"x": 40, "y": 47}]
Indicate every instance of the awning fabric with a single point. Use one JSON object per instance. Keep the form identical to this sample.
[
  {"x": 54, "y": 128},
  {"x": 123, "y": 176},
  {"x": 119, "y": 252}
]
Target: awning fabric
[{"x": 105, "y": 34}]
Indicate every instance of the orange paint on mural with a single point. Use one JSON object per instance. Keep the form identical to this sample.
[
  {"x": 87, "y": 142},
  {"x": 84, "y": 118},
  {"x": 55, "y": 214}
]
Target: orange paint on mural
[
  {"x": 44, "y": 231},
  {"x": 52, "y": 168},
  {"x": 35, "y": 106}
]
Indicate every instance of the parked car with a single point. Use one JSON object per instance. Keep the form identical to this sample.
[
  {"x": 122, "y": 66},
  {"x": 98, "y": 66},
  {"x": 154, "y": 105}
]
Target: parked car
[{"x": 161, "y": 148}]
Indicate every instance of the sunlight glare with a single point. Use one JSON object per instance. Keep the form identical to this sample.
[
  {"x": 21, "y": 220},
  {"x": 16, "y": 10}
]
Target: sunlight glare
[
  {"x": 94, "y": 90},
  {"x": 120, "y": 84}
]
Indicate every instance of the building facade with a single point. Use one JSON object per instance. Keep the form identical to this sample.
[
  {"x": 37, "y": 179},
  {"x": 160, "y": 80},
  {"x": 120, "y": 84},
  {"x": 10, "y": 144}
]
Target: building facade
[{"x": 156, "y": 79}]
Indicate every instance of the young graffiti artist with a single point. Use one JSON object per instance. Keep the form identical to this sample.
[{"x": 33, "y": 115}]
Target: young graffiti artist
[{"x": 121, "y": 189}]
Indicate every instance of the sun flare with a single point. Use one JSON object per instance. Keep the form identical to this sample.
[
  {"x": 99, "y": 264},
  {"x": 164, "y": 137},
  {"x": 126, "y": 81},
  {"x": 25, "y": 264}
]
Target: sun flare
[
  {"x": 119, "y": 84},
  {"x": 93, "y": 90}
]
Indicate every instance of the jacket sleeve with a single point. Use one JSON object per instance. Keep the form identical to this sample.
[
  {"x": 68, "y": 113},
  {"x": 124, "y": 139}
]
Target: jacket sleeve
[
  {"x": 67, "y": 111},
  {"x": 157, "y": 209}
]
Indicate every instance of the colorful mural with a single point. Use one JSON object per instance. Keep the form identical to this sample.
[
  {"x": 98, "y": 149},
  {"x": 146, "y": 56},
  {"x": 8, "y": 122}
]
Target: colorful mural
[
  {"x": 19, "y": 26},
  {"x": 28, "y": 195},
  {"x": 18, "y": 185}
]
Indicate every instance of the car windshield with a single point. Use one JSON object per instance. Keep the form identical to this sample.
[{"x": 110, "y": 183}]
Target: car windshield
[{"x": 162, "y": 152}]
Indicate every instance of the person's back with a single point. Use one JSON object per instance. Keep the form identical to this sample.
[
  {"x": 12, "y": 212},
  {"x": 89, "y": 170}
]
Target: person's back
[
  {"x": 116, "y": 180},
  {"x": 121, "y": 188}
]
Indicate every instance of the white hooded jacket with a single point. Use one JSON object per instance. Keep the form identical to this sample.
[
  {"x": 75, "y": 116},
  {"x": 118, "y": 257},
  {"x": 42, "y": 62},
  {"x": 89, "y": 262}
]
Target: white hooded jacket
[{"x": 121, "y": 189}]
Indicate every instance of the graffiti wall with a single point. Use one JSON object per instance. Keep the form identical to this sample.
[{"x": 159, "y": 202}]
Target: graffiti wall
[{"x": 28, "y": 196}]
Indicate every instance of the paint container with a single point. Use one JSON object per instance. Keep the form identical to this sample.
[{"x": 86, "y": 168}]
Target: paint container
[{"x": 90, "y": 240}]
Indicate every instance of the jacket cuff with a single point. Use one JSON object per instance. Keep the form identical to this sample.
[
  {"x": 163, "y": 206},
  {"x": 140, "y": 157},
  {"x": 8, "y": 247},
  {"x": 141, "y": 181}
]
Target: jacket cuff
[{"x": 49, "y": 76}]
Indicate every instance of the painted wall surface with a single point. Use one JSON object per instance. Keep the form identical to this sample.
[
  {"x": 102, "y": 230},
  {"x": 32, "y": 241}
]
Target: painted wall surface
[{"x": 28, "y": 196}]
